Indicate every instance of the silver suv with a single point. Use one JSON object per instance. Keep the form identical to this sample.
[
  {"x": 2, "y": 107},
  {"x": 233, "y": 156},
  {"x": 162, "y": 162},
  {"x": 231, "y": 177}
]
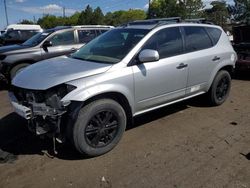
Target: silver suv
[
  {"x": 91, "y": 96},
  {"x": 62, "y": 40}
]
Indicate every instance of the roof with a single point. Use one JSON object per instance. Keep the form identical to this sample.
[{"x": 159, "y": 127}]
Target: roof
[
  {"x": 23, "y": 27},
  {"x": 153, "y": 23}
]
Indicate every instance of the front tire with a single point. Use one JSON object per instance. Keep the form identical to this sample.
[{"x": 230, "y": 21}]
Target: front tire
[
  {"x": 220, "y": 88},
  {"x": 99, "y": 127}
]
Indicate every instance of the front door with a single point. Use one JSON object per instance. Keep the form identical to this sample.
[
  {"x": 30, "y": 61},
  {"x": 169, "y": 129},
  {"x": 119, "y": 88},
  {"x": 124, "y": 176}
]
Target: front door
[
  {"x": 63, "y": 43},
  {"x": 165, "y": 80}
]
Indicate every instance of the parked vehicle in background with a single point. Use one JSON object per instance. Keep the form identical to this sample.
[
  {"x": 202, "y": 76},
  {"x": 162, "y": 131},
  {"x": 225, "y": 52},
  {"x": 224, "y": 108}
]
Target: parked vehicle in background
[
  {"x": 50, "y": 43},
  {"x": 91, "y": 96},
  {"x": 18, "y": 33},
  {"x": 241, "y": 45}
]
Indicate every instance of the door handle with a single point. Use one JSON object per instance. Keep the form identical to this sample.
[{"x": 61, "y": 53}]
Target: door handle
[
  {"x": 216, "y": 58},
  {"x": 181, "y": 66}
]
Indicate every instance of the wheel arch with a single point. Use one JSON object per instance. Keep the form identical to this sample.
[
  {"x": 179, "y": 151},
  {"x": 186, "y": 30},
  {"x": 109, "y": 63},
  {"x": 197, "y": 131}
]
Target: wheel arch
[
  {"x": 229, "y": 68},
  {"x": 23, "y": 61},
  {"x": 114, "y": 95},
  {"x": 119, "y": 98},
  {"x": 13, "y": 65}
]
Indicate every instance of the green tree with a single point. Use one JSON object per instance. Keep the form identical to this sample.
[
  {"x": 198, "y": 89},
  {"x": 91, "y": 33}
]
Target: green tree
[
  {"x": 73, "y": 19},
  {"x": 166, "y": 8},
  {"x": 193, "y": 8},
  {"x": 240, "y": 11},
  {"x": 50, "y": 21},
  {"x": 218, "y": 13},
  {"x": 175, "y": 8},
  {"x": 120, "y": 17},
  {"x": 98, "y": 17},
  {"x": 86, "y": 16},
  {"x": 24, "y": 21}
]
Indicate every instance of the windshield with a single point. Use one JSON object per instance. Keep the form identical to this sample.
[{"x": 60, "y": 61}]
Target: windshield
[
  {"x": 36, "y": 39},
  {"x": 111, "y": 47}
]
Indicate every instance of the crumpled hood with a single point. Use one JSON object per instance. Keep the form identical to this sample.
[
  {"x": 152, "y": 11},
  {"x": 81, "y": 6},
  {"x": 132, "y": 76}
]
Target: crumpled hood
[{"x": 55, "y": 71}]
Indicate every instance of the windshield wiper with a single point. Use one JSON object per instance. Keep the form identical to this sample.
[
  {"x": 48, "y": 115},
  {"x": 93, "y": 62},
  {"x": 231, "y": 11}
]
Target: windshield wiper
[{"x": 74, "y": 57}]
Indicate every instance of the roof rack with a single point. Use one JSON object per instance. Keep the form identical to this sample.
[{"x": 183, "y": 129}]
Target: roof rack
[
  {"x": 154, "y": 21},
  {"x": 61, "y": 27},
  {"x": 163, "y": 21},
  {"x": 199, "y": 20},
  {"x": 95, "y": 26},
  {"x": 83, "y": 26}
]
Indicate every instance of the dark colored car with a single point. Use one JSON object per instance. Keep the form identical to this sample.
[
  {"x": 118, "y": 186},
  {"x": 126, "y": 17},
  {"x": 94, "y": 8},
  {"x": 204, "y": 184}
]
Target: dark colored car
[
  {"x": 16, "y": 36},
  {"x": 242, "y": 47},
  {"x": 48, "y": 44}
]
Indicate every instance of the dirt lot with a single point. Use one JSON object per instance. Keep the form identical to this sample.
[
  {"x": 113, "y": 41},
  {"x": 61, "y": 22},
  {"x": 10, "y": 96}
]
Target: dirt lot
[{"x": 184, "y": 145}]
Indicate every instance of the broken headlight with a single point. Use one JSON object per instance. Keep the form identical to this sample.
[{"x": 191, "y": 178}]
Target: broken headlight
[{"x": 55, "y": 94}]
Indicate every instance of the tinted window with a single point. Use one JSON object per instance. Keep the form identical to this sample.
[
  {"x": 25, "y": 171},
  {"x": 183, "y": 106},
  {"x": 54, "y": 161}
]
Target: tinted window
[
  {"x": 13, "y": 35},
  {"x": 103, "y": 31},
  {"x": 63, "y": 38},
  {"x": 36, "y": 39},
  {"x": 196, "y": 39},
  {"x": 86, "y": 35},
  {"x": 25, "y": 34},
  {"x": 168, "y": 42},
  {"x": 214, "y": 33}
]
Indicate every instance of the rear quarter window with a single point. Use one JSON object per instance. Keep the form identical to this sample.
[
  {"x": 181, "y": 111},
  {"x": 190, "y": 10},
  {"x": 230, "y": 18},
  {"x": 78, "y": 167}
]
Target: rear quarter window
[
  {"x": 196, "y": 38},
  {"x": 86, "y": 35},
  {"x": 214, "y": 34}
]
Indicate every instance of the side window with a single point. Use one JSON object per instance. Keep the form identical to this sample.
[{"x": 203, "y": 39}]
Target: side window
[
  {"x": 214, "y": 33},
  {"x": 196, "y": 39},
  {"x": 86, "y": 35},
  {"x": 103, "y": 31},
  {"x": 13, "y": 35},
  {"x": 27, "y": 34},
  {"x": 168, "y": 42},
  {"x": 63, "y": 38}
]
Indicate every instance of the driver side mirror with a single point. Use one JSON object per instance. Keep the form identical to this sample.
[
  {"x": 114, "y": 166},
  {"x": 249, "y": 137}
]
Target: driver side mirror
[
  {"x": 47, "y": 44},
  {"x": 148, "y": 55}
]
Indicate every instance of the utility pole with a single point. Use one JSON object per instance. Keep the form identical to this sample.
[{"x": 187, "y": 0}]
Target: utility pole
[
  {"x": 64, "y": 12},
  {"x": 6, "y": 14},
  {"x": 149, "y": 8}
]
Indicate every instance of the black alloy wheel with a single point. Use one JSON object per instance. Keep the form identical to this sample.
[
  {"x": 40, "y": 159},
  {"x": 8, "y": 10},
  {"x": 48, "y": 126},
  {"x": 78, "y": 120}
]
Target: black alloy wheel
[
  {"x": 222, "y": 88},
  {"x": 101, "y": 129}
]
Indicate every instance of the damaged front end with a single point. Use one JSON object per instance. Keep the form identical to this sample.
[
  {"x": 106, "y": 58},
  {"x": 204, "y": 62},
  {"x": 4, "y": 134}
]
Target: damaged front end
[{"x": 44, "y": 110}]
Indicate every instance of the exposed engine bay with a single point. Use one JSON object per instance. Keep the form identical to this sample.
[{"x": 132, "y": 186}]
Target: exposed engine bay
[{"x": 44, "y": 110}]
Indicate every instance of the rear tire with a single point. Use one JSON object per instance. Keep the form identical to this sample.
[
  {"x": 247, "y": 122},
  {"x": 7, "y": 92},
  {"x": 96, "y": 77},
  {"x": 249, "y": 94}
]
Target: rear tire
[
  {"x": 99, "y": 127},
  {"x": 16, "y": 69},
  {"x": 220, "y": 88}
]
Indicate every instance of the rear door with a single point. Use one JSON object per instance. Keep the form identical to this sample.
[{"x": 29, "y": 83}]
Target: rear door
[
  {"x": 63, "y": 43},
  {"x": 201, "y": 57}
]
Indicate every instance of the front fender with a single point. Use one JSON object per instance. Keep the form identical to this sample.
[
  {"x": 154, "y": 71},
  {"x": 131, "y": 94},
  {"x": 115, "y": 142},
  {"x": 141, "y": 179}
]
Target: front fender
[{"x": 116, "y": 82}]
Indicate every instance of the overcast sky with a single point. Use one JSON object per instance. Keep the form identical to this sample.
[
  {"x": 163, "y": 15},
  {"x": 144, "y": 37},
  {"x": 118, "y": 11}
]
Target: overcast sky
[{"x": 30, "y": 9}]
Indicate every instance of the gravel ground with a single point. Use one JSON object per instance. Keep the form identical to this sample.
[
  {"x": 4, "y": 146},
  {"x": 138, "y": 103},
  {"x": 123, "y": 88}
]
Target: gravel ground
[{"x": 184, "y": 145}]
